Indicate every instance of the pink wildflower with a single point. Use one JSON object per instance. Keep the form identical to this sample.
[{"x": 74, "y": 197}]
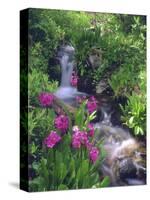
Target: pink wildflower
[
  {"x": 94, "y": 154},
  {"x": 74, "y": 80},
  {"x": 76, "y": 143},
  {"x": 91, "y": 130},
  {"x": 62, "y": 123},
  {"x": 91, "y": 104},
  {"x": 83, "y": 137},
  {"x": 79, "y": 138},
  {"x": 52, "y": 139},
  {"x": 46, "y": 99}
]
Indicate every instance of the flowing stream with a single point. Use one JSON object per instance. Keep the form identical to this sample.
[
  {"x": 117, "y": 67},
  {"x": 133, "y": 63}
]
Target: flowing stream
[
  {"x": 66, "y": 92},
  {"x": 124, "y": 159}
]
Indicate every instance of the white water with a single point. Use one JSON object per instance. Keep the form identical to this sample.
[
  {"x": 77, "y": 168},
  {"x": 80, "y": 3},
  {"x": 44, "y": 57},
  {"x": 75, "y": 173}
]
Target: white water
[
  {"x": 117, "y": 141},
  {"x": 66, "y": 92}
]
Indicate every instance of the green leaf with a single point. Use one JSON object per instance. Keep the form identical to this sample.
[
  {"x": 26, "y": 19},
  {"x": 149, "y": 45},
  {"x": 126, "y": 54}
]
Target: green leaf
[
  {"x": 92, "y": 116},
  {"x": 35, "y": 166},
  {"x": 84, "y": 167},
  {"x": 63, "y": 171},
  {"x": 105, "y": 182},
  {"x": 131, "y": 120},
  {"x": 33, "y": 148},
  {"x": 44, "y": 171}
]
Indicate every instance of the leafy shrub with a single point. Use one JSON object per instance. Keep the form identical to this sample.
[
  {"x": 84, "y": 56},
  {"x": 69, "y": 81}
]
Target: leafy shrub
[
  {"x": 37, "y": 82},
  {"x": 132, "y": 55},
  {"x": 134, "y": 112},
  {"x": 98, "y": 74},
  {"x": 50, "y": 28},
  {"x": 37, "y": 59},
  {"x": 42, "y": 28},
  {"x": 123, "y": 81},
  {"x": 64, "y": 169},
  {"x": 129, "y": 79}
]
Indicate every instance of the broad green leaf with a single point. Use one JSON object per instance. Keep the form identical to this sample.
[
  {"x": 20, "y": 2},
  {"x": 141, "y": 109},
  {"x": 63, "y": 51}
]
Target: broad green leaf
[
  {"x": 131, "y": 120},
  {"x": 105, "y": 182}
]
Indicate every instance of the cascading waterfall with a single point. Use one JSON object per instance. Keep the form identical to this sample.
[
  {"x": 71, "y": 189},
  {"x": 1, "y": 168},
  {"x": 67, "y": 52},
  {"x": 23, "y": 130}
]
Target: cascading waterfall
[
  {"x": 66, "y": 62},
  {"x": 66, "y": 92}
]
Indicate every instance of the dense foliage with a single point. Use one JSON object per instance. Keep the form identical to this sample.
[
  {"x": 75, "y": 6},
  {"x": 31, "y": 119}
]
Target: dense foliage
[
  {"x": 119, "y": 41},
  {"x": 118, "y": 45}
]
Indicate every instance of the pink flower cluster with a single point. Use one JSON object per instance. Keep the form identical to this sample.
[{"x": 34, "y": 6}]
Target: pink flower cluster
[
  {"x": 62, "y": 123},
  {"x": 46, "y": 99},
  {"x": 91, "y": 104},
  {"x": 80, "y": 138},
  {"x": 91, "y": 130},
  {"x": 94, "y": 154},
  {"x": 52, "y": 139},
  {"x": 74, "y": 79}
]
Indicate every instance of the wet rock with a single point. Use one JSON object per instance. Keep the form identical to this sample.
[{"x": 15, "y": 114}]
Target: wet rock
[
  {"x": 127, "y": 169},
  {"x": 85, "y": 85},
  {"x": 102, "y": 86},
  {"x": 94, "y": 59}
]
